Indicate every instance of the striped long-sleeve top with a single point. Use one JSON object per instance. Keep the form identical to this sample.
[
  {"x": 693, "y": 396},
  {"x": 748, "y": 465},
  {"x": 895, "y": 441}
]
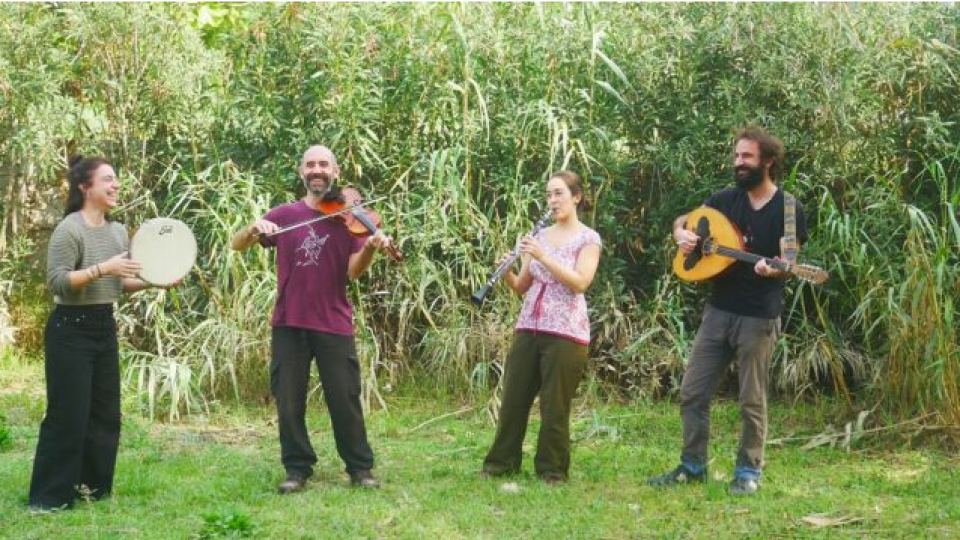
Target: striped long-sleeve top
[{"x": 76, "y": 245}]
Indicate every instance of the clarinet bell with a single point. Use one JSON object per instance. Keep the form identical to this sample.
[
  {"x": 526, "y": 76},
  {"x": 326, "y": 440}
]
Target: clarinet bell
[{"x": 480, "y": 295}]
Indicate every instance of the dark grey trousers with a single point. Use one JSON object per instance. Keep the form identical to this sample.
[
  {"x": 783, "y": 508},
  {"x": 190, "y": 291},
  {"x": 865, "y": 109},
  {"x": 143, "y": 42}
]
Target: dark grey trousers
[{"x": 723, "y": 337}]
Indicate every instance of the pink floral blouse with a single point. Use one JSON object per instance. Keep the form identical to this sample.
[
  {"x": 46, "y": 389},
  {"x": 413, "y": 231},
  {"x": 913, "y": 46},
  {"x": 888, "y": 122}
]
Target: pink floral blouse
[{"x": 550, "y": 306}]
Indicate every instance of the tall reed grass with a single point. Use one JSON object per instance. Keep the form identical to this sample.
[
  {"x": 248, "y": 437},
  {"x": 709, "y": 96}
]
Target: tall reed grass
[{"x": 458, "y": 113}]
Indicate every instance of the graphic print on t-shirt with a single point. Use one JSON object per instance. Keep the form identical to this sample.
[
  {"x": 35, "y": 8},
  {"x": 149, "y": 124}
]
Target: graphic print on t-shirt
[{"x": 310, "y": 249}]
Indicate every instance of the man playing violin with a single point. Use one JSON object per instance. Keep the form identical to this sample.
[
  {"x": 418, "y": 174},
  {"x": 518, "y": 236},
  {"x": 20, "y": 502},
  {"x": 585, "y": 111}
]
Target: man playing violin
[
  {"x": 313, "y": 320},
  {"x": 741, "y": 320}
]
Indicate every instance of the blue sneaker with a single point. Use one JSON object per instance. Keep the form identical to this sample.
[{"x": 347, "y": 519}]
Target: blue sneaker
[
  {"x": 680, "y": 475},
  {"x": 743, "y": 485}
]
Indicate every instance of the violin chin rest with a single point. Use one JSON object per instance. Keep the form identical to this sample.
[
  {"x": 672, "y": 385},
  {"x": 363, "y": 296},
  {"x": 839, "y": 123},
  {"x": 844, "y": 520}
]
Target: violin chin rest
[{"x": 334, "y": 194}]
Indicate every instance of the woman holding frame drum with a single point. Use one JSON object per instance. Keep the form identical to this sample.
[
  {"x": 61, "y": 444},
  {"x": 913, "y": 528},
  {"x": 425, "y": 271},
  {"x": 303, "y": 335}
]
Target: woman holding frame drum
[
  {"x": 87, "y": 269},
  {"x": 549, "y": 352}
]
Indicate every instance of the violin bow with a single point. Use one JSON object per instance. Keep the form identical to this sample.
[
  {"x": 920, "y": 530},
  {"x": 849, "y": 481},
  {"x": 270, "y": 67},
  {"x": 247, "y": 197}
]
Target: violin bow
[{"x": 321, "y": 218}]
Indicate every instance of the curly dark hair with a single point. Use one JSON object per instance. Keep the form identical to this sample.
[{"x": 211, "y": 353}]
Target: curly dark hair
[{"x": 771, "y": 148}]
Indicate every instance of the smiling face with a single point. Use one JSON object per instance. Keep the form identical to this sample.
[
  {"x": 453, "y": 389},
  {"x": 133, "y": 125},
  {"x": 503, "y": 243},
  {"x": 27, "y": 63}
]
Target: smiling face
[
  {"x": 318, "y": 170},
  {"x": 101, "y": 191},
  {"x": 749, "y": 169}
]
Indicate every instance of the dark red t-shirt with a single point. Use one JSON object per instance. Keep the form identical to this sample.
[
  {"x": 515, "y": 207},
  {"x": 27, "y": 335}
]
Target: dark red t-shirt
[{"x": 312, "y": 270}]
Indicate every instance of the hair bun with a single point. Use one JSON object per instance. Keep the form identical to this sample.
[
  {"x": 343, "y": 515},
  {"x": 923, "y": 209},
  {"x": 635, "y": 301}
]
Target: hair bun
[{"x": 74, "y": 160}]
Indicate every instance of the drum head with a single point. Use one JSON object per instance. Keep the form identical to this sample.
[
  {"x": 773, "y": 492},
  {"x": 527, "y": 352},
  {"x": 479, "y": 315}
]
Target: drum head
[{"x": 165, "y": 248}]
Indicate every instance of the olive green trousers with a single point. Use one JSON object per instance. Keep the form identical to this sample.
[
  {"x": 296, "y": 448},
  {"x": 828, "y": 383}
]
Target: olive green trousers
[{"x": 548, "y": 366}]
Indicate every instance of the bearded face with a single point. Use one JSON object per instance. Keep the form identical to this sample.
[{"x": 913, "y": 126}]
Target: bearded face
[
  {"x": 317, "y": 183},
  {"x": 748, "y": 177},
  {"x": 318, "y": 170}
]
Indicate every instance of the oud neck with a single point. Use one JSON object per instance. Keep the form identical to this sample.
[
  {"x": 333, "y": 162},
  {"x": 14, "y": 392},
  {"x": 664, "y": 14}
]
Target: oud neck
[{"x": 751, "y": 258}]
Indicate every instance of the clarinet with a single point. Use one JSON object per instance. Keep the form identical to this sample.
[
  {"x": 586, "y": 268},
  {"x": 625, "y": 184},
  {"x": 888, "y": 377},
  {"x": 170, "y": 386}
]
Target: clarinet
[{"x": 481, "y": 294}]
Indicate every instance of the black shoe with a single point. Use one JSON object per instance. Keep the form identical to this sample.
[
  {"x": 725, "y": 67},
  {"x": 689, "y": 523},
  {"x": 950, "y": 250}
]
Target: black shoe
[
  {"x": 553, "y": 478},
  {"x": 678, "y": 476},
  {"x": 292, "y": 483},
  {"x": 487, "y": 474},
  {"x": 744, "y": 486},
  {"x": 364, "y": 479}
]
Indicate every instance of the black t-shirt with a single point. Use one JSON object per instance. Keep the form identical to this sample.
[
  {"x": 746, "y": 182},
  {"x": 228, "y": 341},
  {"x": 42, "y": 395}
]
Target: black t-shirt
[{"x": 740, "y": 290}]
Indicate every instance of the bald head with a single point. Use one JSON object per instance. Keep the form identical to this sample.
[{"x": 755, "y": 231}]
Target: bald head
[
  {"x": 318, "y": 151},
  {"x": 318, "y": 169}
]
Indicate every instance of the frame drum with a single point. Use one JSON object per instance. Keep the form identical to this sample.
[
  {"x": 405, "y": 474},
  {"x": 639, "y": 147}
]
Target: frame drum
[{"x": 166, "y": 249}]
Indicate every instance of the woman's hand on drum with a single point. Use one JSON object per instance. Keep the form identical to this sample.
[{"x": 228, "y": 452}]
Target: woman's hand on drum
[
  {"x": 263, "y": 227},
  {"x": 120, "y": 266},
  {"x": 173, "y": 285}
]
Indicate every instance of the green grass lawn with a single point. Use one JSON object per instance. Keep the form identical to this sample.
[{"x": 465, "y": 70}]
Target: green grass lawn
[{"x": 216, "y": 476}]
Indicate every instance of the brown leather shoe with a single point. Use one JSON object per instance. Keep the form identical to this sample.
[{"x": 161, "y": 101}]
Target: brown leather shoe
[
  {"x": 364, "y": 479},
  {"x": 291, "y": 484}
]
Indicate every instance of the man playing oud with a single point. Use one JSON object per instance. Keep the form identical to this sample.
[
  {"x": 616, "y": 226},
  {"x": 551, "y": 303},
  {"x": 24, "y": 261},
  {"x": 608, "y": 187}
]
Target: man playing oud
[{"x": 741, "y": 320}]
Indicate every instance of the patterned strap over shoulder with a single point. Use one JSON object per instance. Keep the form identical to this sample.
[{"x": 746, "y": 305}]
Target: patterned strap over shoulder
[{"x": 790, "y": 247}]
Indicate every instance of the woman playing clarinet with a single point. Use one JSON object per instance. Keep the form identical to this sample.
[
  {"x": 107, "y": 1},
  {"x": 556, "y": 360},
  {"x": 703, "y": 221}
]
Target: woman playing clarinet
[{"x": 549, "y": 352}]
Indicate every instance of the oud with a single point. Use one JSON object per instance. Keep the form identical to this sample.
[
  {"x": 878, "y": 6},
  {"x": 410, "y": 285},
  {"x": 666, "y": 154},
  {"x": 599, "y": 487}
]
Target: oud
[{"x": 721, "y": 244}]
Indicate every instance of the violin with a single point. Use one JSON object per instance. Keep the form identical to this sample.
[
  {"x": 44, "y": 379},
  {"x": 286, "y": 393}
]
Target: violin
[{"x": 349, "y": 207}]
